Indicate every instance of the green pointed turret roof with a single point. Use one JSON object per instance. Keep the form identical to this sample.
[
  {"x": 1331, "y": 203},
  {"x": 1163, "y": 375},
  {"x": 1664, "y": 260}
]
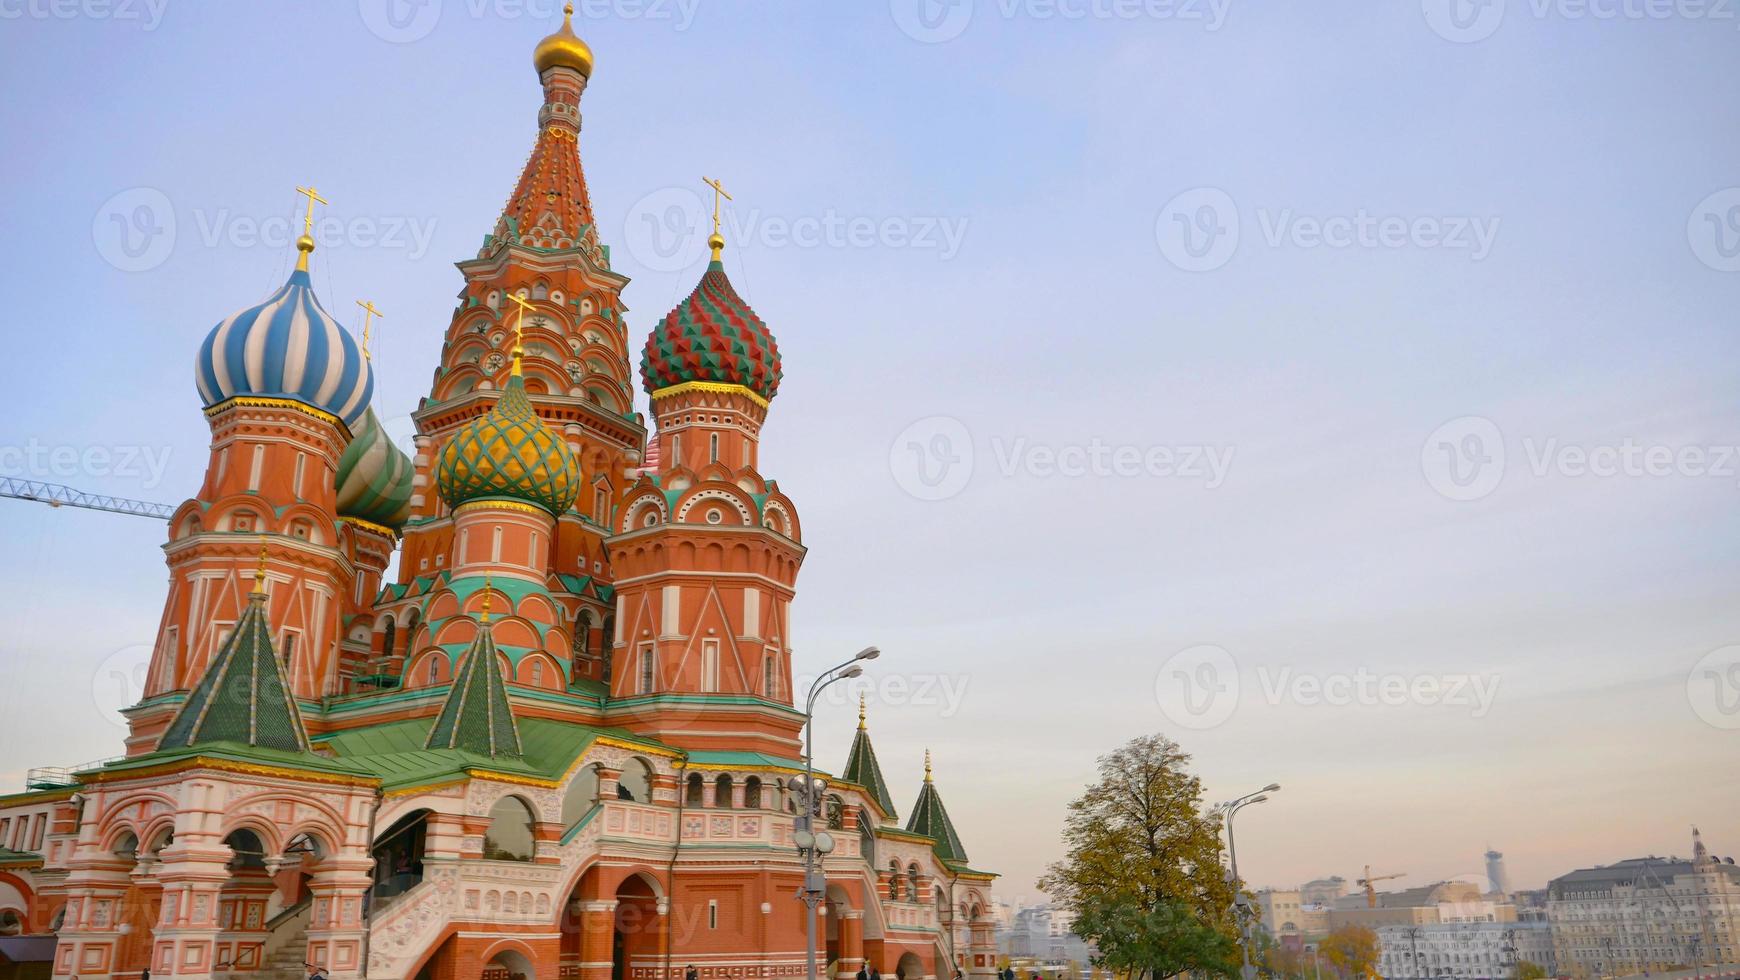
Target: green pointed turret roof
[
  {"x": 861, "y": 766},
  {"x": 932, "y": 820},
  {"x": 243, "y": 696},
  {"x": 477, "y": 717}
]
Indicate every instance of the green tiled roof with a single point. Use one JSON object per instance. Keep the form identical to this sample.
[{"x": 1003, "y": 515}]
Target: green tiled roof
[
  {"x": 477, "y": 717},
  {"x": 932, "y": 820},
  {"x": 395, "y": 751},
  {"x": 742, "y": 760},
  {"x": 243, "y": 696},
  {"x": 861, "y": 768}
]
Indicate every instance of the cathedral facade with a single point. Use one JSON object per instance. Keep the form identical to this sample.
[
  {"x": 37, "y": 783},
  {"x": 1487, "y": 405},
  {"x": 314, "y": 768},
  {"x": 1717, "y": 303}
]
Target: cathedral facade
[{"x": 562, "y": 740}]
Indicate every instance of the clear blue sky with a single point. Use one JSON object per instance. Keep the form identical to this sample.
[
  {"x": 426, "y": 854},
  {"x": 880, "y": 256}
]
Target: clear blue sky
[{"x": 1021, "y": 285}]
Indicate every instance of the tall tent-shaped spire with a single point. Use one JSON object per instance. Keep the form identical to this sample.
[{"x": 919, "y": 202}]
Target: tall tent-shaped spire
[
  {"x": 243, "y": 697},
  {"x": 931, "y": 819},
  {"x": 861, "y": 766},
  {"x": 476, "y": 716}
]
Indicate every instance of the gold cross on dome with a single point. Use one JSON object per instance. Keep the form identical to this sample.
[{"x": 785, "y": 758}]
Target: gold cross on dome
[
  {"x": 308, "y": 218},
  {"x": 369, "y": 313},
  {"x": 519, "y": 318},
  {"x": 718, "y": 192}
]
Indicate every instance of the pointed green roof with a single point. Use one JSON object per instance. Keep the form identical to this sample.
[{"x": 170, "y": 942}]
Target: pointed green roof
[
  {"x": 243, "y": 696},
  {"x": 861, "y": 767},
  {"x": 932, "y": 820},
  {"x": 476, "y": 717}
]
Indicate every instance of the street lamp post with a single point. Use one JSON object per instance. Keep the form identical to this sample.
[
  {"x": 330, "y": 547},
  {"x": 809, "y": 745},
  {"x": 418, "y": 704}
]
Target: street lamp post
[
  {"x": 1231, "y": 809},
  {"x": 811, "y": 843}
]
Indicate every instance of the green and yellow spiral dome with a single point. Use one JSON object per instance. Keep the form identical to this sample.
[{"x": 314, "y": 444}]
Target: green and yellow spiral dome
[{"x": 509, "y": 454}]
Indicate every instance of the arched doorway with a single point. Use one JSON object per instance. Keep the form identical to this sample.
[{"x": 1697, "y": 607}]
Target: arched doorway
[
  {"x": 635, "y": 940},
  {"x": 398, "y": 855},
  {"x": 910, "y": 967},
  {"x": 509, "y": 964}
]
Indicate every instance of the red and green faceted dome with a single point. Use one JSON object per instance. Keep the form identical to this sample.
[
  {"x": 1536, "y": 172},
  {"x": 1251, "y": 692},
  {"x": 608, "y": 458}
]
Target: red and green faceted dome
[{"x": 712, "y": 336}]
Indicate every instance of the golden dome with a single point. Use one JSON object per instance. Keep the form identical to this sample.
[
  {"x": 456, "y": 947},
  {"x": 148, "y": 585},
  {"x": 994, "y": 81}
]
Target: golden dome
[
  {"x": 564, "y": 48},
  {"x": 508, "y": 453}
]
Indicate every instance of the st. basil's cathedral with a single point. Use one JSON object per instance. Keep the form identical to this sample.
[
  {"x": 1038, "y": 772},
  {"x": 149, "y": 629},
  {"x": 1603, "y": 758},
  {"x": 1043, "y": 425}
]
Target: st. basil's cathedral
[{"x": 563, "y": 742}]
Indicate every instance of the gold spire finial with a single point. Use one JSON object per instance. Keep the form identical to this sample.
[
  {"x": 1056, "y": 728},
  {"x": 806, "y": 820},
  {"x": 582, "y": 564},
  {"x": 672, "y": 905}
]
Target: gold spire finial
[
  {"x": 860, "y": 710},
  {"x": 260, "y": 570},
  {"x": 519, "y": 318},
  {"x": 305, "y": 244},
  {"x": 927, "y": 765},
  {"x": 369, "y": 312},
  {"x": 716, "y": 241},
  {"x": 486, "y": 594}
]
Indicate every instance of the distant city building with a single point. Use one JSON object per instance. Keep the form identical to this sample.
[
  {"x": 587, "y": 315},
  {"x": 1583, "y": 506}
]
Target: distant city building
[
  {"x": 1498, "y": 881},
  {"x": 1646, "y": 914},
  {"x": 1464, "y": 950},
  {"x": 1443, "y": 902},
  {"x": 1323, "y": 891},
  {"x": 1042, "y": 932},
  {"x": 1286, "y": 915}
]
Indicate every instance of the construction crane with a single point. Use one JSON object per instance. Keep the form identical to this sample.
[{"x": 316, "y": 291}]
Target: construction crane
[
  {"x": 1369, "y": 880},
  {"x": 55, "y": 495}
]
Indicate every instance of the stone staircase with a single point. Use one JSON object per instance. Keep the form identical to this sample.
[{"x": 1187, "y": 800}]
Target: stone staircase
[{"x": 287, "y": 946}]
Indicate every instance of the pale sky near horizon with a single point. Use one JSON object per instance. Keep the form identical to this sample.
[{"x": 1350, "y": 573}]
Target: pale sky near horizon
[{"x": 1146, "y": 370}]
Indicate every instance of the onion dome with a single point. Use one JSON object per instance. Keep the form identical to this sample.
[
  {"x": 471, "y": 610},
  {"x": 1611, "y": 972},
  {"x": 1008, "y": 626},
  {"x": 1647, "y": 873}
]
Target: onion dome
[
  {"x": 374, "y": 477},
  {"x": 509, "y": 454},
  {"x": 288, "y": 347},
  {"x": 563, "y": 49},
  {"x": 712, "y": 337}
]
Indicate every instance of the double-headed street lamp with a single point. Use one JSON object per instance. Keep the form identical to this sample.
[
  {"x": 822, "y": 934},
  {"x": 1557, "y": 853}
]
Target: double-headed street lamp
[
  {"x": 811, "y": 843},
  {"x": 1231, "y": 809}
]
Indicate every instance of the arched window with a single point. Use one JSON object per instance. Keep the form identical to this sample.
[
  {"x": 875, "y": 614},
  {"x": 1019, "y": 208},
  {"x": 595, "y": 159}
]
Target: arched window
[
  {"x": 606, "y": 645},
  {"x": 434, "y": 669},
  {"x": 582, "y": 635},
  {"x": 581, "y": 797},
  {"x": 912, "y": 881},
  {"x": 388, "y": 637},
  {"x": 752, "y": 793},
  {"x": 722, "y": 790},
  {"x": 694, "y": 792},
  {"x": 635, "y": 782},
  {"x": 836, "y": 813},
  {"x": 509, "y": 837},
  {"x": 537, "y": 673},
  {"x": 894, "y": 881},
  {"x": 866, "y": 837}
]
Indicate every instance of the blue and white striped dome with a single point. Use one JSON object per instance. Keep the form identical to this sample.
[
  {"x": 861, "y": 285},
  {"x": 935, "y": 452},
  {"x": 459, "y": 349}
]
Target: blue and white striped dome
[{"x": 287, "y": 347}]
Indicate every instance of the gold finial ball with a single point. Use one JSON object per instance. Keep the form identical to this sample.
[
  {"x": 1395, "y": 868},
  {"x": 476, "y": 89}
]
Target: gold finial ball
[
  {"x": 563, "y": 49},
  {"x": 716, "y": 241},
  {"x": 304, "y": 243}
]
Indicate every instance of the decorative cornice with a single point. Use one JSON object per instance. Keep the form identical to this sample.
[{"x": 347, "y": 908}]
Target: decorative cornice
[
  {"x": 380, "y": 529},
  {"x": 491, "y": 503},
  {"x": 227, "y": 765},
  {"x": 714, "y": 387},
  {"x": 252, "y": 401}
]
